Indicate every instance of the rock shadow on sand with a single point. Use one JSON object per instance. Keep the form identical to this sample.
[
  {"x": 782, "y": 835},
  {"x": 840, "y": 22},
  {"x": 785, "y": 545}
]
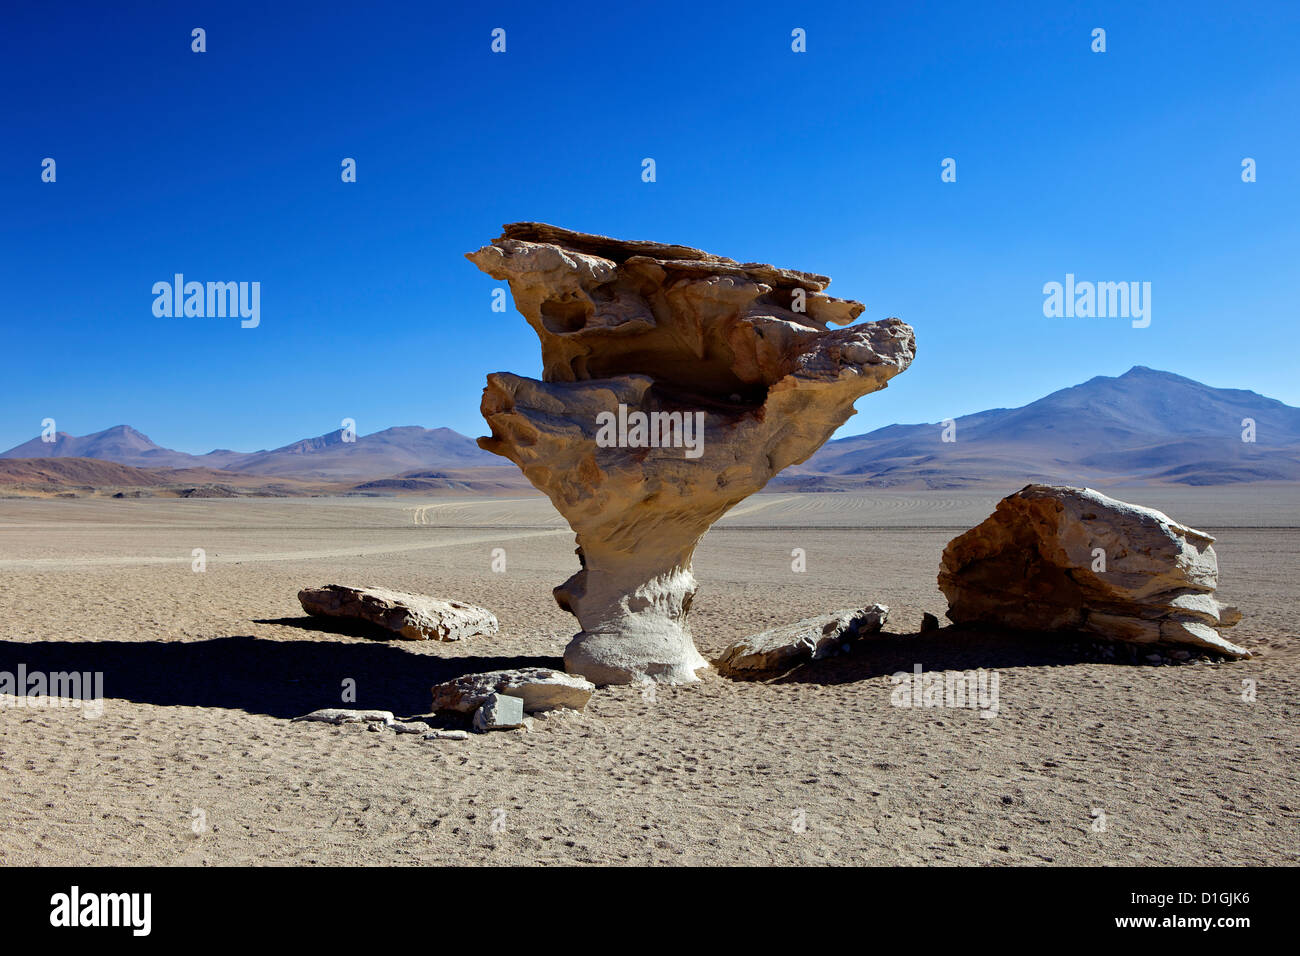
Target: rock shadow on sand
[
  {"x": 347, "y": 627},
  {"x": 950, "y": 649},
  {"x": 282, "y": 679}
]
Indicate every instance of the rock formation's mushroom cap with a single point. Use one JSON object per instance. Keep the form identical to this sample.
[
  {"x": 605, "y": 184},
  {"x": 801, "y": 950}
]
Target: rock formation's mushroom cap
[{"x": 706, "y": 325}]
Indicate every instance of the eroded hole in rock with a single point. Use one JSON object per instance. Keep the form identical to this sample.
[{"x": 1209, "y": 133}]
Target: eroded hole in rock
[
  {"x": 562, "y": 316},
  {"x": 780, "y": 303},
  {"x": 743, "y": 398},
  {"x": 709, "y": 379}
]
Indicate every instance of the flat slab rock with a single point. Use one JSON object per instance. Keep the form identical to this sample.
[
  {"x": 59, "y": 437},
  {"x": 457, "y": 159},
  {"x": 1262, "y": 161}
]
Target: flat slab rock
[
  {"x": 540, "y": 688},
  {"x": 338, "y": 715},
  {"x": 812, "y": 639},
  {"x": 1053, "y": 558},
  {"x": 415, "y": 617}
]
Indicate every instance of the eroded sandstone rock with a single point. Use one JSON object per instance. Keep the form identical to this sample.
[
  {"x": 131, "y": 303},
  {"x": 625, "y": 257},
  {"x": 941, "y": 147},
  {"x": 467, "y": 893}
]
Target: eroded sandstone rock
[
  {"x": 540, "y": 688},
  {"x": 1072, "y": 559},
  {"x": 738, "y": 353},
  {"x": 415, "y": 617},
  {"x": 784, "y": 647}
]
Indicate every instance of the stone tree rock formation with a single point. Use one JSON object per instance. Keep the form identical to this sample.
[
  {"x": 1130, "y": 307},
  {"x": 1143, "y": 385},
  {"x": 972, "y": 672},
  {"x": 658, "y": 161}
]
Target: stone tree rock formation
[
  {"x": 675, "y": 384},
  {"x": 1072, "y": 559}
]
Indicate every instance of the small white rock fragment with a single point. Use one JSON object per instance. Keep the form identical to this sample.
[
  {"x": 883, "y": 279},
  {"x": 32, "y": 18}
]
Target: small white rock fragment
[{"x": 412, "y": 727}]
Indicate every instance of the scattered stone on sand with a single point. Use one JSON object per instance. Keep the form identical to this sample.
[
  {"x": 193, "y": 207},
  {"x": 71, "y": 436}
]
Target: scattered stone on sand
[
  {"x": 336, "y": 715},
  {"x": 499, "y": 712},
  {"x": 675, "y": 384},
  {"x": 412, "y": 727},
  {"x": 415, "y": 617},
  {"x": 540, "y": 689},
  {"x": 929, "y": 623},
  {"x": 784, "y": 647},
  {"x": 1072, "y": 559},
  {"x": 447, "y": 735}
]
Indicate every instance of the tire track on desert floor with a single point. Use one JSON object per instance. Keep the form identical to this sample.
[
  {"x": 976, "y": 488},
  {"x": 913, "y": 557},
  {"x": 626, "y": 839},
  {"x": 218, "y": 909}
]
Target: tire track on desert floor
[
  {"x": 32, "y": 564},
  {"x": 755, "y": 504},
  {"x": 219, "y": 558}
]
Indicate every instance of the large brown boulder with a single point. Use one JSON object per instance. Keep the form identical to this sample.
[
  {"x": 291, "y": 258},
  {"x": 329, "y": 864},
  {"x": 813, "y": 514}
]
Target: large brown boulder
[
  {"x": 675, "y": 383},
  {"x": 1072, "y": 559}
]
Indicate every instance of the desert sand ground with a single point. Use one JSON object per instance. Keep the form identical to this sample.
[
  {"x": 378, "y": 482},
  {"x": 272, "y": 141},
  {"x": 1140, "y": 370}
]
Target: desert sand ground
[{"x": 202, "y": 672}]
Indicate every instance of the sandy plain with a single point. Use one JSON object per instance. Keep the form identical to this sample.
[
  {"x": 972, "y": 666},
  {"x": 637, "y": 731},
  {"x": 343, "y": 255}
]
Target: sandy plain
[{"x": 194, "y": 759}]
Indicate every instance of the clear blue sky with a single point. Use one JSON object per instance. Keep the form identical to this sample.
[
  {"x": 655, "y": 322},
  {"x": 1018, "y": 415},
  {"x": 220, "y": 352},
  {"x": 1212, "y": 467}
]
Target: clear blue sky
[{"x": 225, "y": 166}]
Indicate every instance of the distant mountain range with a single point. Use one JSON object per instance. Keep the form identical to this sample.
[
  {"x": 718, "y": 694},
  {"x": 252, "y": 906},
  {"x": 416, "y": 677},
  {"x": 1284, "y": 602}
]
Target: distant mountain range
[
  {"x": 328, "y": 457},
  {"x": 1142, "y": 426}
]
